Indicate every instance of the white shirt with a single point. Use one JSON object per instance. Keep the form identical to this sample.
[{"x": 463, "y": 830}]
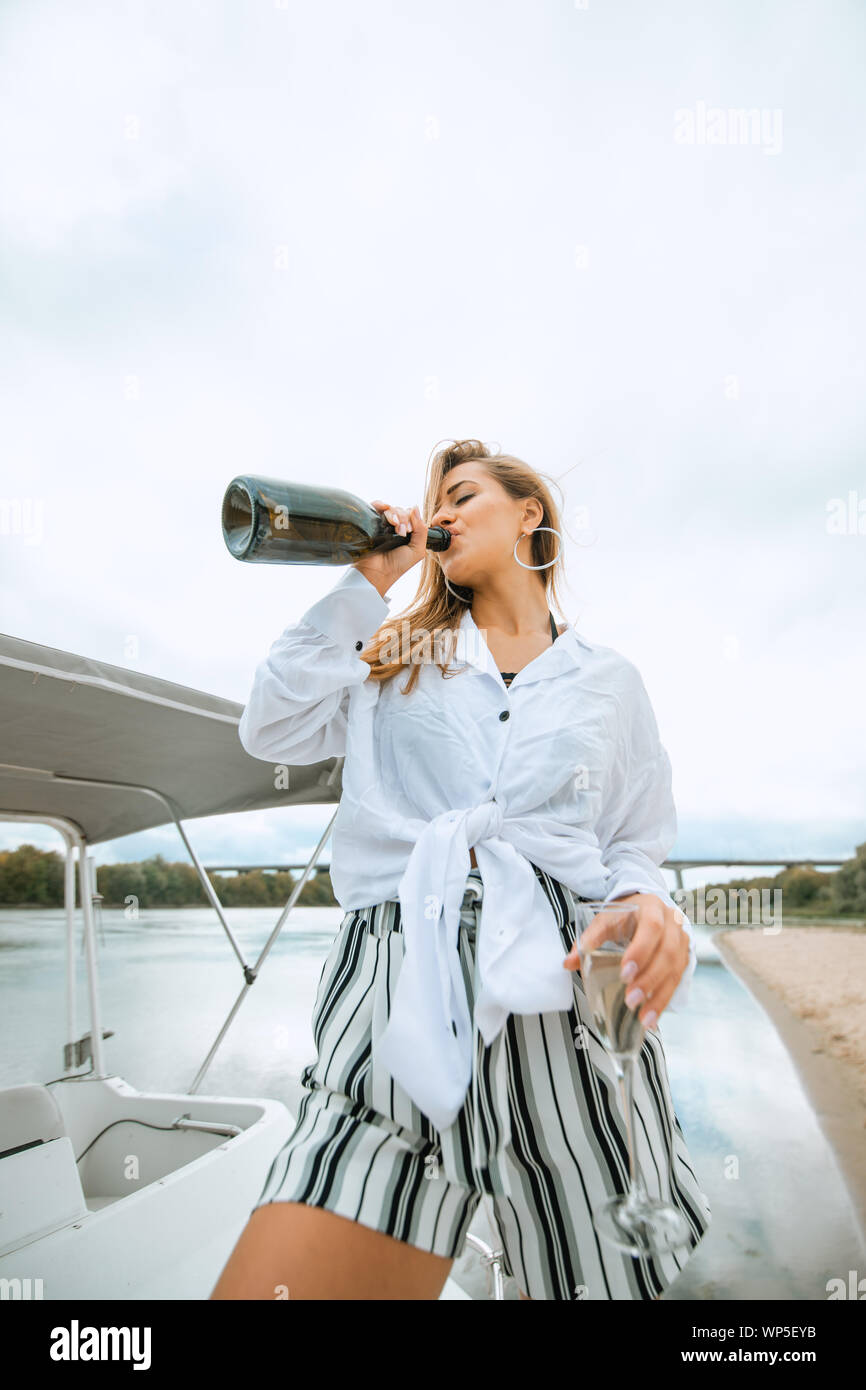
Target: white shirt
[{"x": 563, "y": 769}]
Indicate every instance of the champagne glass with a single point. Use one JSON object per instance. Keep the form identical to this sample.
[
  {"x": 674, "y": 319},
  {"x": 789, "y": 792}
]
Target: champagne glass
[{"x": 636, "y": 1223}]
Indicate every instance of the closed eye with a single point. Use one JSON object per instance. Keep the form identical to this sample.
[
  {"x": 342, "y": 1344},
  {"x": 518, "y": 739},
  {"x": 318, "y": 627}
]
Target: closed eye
[{"x": 465, "y": 498}]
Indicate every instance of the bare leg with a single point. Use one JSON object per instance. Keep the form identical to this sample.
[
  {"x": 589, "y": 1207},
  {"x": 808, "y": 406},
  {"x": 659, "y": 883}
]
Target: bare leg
[{"x": 291, "y": 1250}]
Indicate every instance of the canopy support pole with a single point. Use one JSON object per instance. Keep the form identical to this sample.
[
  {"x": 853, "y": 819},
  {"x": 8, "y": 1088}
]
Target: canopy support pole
[
  {"x": 74, "y": 836},
  {"x": 167, "y": 804},
  {"x": 250, "y": 974},
  {"x": 74, "y": 839}
]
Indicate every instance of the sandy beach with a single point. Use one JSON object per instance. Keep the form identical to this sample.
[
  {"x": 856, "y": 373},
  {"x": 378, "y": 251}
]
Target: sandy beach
[{"x": 811, "y": 980}]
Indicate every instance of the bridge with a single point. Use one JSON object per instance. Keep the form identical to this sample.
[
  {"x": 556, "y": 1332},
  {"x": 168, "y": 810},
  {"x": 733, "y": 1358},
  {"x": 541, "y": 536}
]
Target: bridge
[{"x": 676, "y": 865}]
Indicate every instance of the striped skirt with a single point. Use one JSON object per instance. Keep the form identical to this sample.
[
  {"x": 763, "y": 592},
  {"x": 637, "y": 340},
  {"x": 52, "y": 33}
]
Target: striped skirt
[{"x": 541, "y": 1136}]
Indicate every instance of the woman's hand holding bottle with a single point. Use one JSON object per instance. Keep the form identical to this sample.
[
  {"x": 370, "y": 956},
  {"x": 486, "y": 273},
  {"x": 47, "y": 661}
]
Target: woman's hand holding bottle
[{"x": 385, "y": 568}]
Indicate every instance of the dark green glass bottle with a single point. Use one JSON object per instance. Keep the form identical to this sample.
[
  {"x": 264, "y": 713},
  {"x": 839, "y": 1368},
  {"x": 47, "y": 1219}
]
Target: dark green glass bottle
[{"x": 269, "y": 521}]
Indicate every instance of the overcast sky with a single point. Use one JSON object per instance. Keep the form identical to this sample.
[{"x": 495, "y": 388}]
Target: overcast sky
[{"x": 312, "y": 241}]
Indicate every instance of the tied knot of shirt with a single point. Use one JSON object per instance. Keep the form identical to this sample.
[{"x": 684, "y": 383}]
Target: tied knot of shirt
[
  {"x": 484, "y": 821},
  {"x": 427, "y": 1043}
]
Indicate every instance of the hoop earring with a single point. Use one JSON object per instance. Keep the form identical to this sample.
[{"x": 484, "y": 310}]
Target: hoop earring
[{"x": 532, "y": 533}]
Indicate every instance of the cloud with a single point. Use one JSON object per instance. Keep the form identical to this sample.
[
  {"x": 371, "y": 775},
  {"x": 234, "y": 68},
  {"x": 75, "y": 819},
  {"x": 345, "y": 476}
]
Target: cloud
[{"x": 298, "y": 243}]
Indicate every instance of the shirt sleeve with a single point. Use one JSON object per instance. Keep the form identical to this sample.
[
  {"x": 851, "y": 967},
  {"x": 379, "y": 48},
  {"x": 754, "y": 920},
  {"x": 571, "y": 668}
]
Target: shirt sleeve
[
  {"x": 297, "y": 711},
  {"x": 638, "y": 824}
]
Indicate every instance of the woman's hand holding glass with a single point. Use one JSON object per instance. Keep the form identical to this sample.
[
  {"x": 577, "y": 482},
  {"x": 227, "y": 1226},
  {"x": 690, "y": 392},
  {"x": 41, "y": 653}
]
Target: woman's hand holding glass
[
  {"x": 632, "y": 951},
  {"x": 656, "y": 957}
]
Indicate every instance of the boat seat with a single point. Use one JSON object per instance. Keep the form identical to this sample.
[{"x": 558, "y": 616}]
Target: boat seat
[
  {"x": 29, "y": 1115},
  {"x": 40, "y": 1190}
]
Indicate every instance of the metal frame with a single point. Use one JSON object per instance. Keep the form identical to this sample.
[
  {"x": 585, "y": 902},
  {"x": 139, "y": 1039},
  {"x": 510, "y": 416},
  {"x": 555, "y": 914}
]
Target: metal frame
[
  {"x": 250, "y": 973},
  {"x": 75, "y": 1050},
  {"x": 74, "y": 839}
]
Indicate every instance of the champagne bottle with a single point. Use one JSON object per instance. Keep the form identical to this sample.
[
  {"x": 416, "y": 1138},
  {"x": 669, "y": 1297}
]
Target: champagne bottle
[{"x": 269, "y": 521}]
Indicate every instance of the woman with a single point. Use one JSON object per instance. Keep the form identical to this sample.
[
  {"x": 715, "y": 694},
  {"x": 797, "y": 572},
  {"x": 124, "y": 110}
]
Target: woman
[{"x": 516, "y": 770}]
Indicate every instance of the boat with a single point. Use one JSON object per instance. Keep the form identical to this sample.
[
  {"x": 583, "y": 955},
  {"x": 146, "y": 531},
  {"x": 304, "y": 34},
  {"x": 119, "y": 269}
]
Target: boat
[{"x": 98, "y": 751}]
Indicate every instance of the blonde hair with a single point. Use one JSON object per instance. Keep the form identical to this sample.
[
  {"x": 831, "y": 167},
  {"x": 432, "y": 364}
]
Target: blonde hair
[{"x": 435, "y": 609}]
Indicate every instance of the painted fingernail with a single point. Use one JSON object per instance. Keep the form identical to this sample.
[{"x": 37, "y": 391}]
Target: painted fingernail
[
  {"x": 634, "y": 997},
  {"x": 651, "y": 1019},
  {"x": 628, "y": 971}
]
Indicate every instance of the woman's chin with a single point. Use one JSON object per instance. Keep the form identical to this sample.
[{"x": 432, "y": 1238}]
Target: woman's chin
[{"x": 457, "y": 581}]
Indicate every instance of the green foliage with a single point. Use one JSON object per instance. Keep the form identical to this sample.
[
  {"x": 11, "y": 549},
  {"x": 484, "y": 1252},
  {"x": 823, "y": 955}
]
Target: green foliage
[
  {"x": 31, "y": 877},
  {"x": 806, "y": 889},
  {"x": 850, "y": 883}
]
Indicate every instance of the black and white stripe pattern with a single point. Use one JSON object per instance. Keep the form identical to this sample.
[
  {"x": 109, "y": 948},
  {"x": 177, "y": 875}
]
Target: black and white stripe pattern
[{"x": 552, "y": 1132}]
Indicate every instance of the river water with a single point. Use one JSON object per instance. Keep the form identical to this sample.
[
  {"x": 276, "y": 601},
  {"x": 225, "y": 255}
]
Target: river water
[{"x": 782, "y": 1222}]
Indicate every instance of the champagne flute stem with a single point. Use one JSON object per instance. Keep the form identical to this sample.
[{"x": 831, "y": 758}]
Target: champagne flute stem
[{"x": 625, "y": 1075}]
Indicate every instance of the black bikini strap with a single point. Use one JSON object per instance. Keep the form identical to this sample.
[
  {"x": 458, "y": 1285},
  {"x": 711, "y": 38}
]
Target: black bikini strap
[{"x": 553, "y": 631}]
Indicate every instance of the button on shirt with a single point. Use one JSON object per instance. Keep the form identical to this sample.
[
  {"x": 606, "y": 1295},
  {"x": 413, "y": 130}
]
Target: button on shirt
[{"x": 563, "y": 768}]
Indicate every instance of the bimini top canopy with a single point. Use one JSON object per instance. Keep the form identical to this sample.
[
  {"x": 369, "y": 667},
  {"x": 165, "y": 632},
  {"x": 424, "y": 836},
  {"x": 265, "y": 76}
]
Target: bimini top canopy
[{"x": 64, "y": 716}]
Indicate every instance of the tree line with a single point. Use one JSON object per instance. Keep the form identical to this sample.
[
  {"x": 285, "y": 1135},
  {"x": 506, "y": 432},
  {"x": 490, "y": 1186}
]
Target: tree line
[{"x": 31, "y": 877}]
